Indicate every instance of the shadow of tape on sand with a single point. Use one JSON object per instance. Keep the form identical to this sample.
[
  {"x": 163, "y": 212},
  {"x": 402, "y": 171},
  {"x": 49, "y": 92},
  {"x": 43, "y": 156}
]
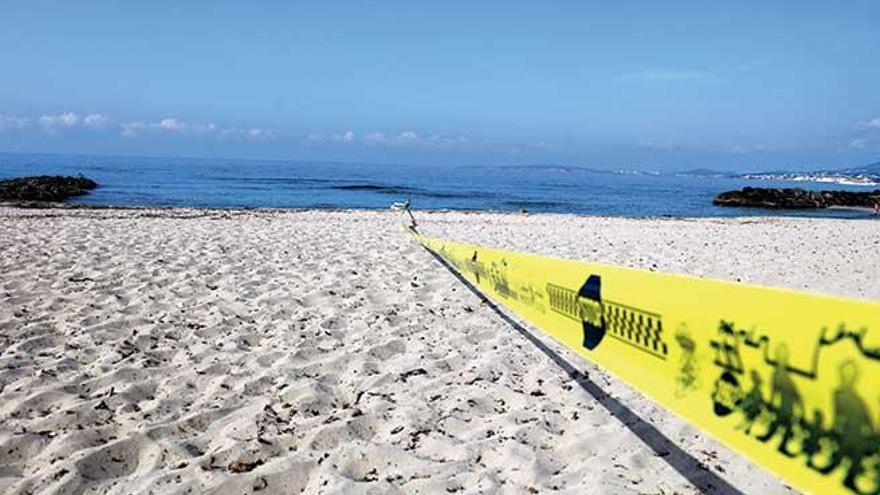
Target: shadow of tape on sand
[{"x": 685, "y": 464}]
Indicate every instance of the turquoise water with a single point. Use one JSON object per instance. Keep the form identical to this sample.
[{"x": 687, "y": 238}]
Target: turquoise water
[{"x": 133, "y": 181}]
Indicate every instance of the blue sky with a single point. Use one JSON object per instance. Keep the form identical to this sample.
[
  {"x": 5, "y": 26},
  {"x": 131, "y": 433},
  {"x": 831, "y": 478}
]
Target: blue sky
[{"x": 653, "y": 85}]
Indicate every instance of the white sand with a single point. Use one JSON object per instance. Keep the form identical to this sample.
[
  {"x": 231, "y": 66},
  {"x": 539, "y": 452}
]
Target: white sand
[{"x": 191, "y": 351}]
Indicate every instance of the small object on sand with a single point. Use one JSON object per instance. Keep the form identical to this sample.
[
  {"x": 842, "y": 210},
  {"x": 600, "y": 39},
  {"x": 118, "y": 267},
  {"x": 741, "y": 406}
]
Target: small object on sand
[
  {"x": 405, "y": 206},
  {"x": 242, "y": 466}
]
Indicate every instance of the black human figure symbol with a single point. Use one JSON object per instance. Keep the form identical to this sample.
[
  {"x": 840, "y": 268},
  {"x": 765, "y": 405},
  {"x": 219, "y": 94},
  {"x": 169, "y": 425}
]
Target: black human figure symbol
[
  {"x": 687, "y": 372},
  {"x": 752, "y": 403},
  {"x": 852, "y": 429},
  {"x": 475, "y": 268},
  {"x": 499, "y": 278},
  {"x": 785, "y": 401},
  {"x": 811, "y": 444},
  {"x": 727, "y": 349}
]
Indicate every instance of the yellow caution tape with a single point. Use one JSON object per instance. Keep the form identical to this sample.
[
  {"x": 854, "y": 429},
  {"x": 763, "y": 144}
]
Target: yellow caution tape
[{"x": 790, "y": 380}]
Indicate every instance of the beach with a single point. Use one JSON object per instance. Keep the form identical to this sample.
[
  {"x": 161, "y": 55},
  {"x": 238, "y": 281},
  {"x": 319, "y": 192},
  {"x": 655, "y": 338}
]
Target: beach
[{"x": 317, "y": 351}]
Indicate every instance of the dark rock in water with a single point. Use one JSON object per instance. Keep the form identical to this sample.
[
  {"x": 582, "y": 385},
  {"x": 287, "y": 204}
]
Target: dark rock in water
[
  {"x": 762, "y": 197},
  {"x": 45, "y": 188}
]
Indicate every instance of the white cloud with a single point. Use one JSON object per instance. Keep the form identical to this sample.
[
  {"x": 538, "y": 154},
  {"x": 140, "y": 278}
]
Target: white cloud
[
  {"x": 320, "y": 137},
  {"x": 259, "y": 134},
  {"x": 132, "y": 129},
  {"x": 53, "y": 123},
  {"x": 95, "y": 120},
  {"x": 250, "y": 134},
  {"x": 402, "y": 138},
  {"x": 868, "y": 124},
  {"x": 58, "y": 121},
  {"x": 374, "y": 137},
  {"x": 444, "y": 140},
  {"x": 345, "y": 137},
  {"x": 409, "y": 137},
  {"x": 13, "y": 122},
  {"x": 172, "y": 125},
  {"x": 210, "y": 130},
  {"x": 68, "y": 120}
]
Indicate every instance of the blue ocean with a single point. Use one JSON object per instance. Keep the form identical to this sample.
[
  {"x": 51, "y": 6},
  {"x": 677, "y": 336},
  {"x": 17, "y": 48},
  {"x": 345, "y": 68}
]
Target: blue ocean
[{"x": 229, "y": 183}]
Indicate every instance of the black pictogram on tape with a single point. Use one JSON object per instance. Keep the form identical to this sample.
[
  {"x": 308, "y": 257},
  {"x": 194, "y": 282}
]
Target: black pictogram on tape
[{"x": 633, "y": 326}]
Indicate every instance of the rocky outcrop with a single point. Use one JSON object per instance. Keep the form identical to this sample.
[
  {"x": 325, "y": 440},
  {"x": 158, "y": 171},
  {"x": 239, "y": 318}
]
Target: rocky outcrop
[
  {"x": 45, "y": 188},
  {"x": 762, "y": 197}
]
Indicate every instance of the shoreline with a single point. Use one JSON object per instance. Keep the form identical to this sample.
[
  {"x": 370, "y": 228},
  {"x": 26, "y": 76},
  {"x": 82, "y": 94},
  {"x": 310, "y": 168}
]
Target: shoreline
[{"x": 763, "y": 214}]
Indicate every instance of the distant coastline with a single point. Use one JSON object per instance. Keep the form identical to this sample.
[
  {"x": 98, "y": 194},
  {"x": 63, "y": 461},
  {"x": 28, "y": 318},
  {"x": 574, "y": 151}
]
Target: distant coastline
[
  {"x": 866, "y": 175},
  {"x": 820, "y": 177}
]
